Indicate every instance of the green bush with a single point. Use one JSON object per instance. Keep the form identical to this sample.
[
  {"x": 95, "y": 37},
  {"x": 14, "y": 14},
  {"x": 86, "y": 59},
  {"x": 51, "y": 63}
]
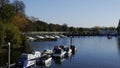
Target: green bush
[{"x": 2, "y": 33}]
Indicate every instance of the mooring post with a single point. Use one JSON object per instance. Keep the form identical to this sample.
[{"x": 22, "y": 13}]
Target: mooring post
[
  {"x": 70, "y": 40},
  {"x": 8, "y": 54}
]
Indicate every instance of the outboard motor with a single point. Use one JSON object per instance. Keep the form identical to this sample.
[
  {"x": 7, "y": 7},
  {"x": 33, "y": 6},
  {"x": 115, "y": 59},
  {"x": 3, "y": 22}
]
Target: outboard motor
[{"x": 73, "y": 49}]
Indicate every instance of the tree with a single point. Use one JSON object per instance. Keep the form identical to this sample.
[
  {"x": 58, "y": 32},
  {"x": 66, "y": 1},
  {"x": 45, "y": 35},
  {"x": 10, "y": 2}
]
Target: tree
[
  {"x": 21, "y": 22},
  {"x": 65, "y": 27},
  {"x": 2, "y": 33},
  {"x": 3, "y": 2},
  {"x": 80, "y": 30},
  {"x": 19, "y": 6},
  {"x": 96, "y": 29},
  {"x": 13, "y": 35},
  {"x": 71, "y": 29},
  {"x": 6, "y": 12}
]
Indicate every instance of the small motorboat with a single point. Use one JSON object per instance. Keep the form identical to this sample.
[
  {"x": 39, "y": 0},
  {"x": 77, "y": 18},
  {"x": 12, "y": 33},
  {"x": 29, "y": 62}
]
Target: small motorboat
[
  {"x": 30, "y": 56},
  {"x": 45, "y": 60},
  {"x": 67, "y": 49},
  {"x": 24, "y": 63},
  {"x": 58, "y": 52},
  {"x": 47, "y": 51},
  {"x": 73, "y": 48},
  {"x": 63, "y": 36},
  {"x": 57, "y": 36},
  {"x": 27, "y": 60}
]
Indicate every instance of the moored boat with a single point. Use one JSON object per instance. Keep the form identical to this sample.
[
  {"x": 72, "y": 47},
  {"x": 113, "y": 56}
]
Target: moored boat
[
  {"x": 58, "y": 52},
  {"x": 109, "y": 37},
  {"x": 67, "y": 49},
  {"x": 27, "y": 60},
  {"x": 45, "y": 60},
  {"x": 40, "y": 37},
  {"x": 24, "y": 63}
]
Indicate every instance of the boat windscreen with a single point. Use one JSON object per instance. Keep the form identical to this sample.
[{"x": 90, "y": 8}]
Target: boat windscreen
[{"x": 58, "y": 51}]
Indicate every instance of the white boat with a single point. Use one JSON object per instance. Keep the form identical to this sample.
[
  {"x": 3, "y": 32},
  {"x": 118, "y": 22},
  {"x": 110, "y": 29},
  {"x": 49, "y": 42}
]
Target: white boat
[
  {"x": 58, "y": 52},
  {"x": 31, "y": 38},
  {"x": 47, "y": 51},
  {"x": 45, "y": 60},
  {"x": 27, "y": 60},
  {"x": 63, "y": 36},
  {"x": 57, "y": 36},
  {"x": 27, "y": 56},
  {"x": 52, "y": 37},
  {"x": 40, "y": 37},
  {"x": 68, "y": 50},
  {"x": 46, "y": 36},
  {"x": 24, "y": 63},
  {"x": 33, "y": 55},
  {"x": 37, "y": 54}
]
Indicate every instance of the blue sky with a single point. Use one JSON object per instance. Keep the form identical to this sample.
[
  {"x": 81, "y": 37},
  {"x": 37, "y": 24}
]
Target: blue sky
[{"x": 77, "y": 13}]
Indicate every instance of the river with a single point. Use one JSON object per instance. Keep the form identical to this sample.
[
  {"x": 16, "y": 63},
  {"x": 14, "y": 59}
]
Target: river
[{"x": 92, "y": 52}]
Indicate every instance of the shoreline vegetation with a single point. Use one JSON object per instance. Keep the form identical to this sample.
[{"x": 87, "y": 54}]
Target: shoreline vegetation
[{"x": 14, "y": 22}]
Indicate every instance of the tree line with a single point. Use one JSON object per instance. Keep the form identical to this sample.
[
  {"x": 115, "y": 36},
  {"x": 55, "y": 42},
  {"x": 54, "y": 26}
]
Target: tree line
[{"x": 78, "y": 31}]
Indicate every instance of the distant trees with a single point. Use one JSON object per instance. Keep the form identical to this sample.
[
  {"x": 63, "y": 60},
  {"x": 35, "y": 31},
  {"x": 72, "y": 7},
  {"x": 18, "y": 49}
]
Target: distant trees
[
  {"x": 65, "y": 27},
  {"x": 44, "y": 26}
]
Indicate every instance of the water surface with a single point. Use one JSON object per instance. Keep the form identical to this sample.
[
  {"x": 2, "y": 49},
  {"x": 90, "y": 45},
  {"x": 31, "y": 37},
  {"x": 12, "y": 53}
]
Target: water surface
[{"x": 93, "y": 52}]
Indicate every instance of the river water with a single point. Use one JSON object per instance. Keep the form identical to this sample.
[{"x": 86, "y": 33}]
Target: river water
[{"x": 92, "y": 52}]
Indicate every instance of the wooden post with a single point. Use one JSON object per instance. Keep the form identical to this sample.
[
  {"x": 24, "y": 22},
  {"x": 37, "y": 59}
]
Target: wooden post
[{"x": 70, "y": 40}]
